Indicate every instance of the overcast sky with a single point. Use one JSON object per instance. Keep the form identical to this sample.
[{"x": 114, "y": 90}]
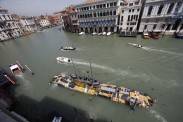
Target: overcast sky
[{"x": 36, "y": 7}]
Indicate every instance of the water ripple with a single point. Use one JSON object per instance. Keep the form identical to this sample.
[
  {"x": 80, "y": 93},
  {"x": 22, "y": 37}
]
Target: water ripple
[
  {"x": 158, "y": 116},
  {"x": 163, "y": 51}
]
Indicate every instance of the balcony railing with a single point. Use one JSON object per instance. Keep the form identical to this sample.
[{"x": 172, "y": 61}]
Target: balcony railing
[{"x": 157, "y": 16}]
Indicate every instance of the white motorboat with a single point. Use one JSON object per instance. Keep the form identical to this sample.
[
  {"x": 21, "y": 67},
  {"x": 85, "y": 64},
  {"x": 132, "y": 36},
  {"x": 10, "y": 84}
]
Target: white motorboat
[
  {"x": 104, "y": 33},
  {"x": 135, "y": 45},
  {"x": 81, "y": 33},
  {"x": 63, "y": 60},
  {"x": 67, "y": 48},
  {"x": 15, "y": 69},
  {"x": 94, "y": 33},
  {"x": 109, "y": 33},
  {"x": 99, "y": 33}
]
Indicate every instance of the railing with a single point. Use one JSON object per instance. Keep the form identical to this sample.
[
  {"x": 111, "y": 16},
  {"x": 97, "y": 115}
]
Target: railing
[
  {"x": 151, "y": 1},
  {"x": 159, "y": 15}
]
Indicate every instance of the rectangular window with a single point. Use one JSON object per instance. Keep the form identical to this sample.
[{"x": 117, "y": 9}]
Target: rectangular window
[
  {"x": 130, "y": 10},
  {"x": 121, "y": 4},
  {"x": 111, "y": 4},
  {"x": 131, "y": 4},
  {"x": 154, "y": 27},
  {"x": 145, "y": 27},
  {"x": 163, "y": 26},
  {"x": 121, "y": 18},
  {"x": 107, "y": 4},
  {"x": 115, "y": 3},
  {"x": 122, "y": 11},
  {"x": 128, "y": 17}
]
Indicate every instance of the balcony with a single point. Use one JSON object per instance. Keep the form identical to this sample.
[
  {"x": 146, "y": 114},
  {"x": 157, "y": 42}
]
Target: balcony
[
  {"x": 157, "y": 16},
  {"x": 152, "y": 1}
]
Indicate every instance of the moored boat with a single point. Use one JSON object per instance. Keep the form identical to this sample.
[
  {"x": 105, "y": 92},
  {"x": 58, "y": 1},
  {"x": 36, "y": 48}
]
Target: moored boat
[
  {"x": 94, "y": 33},
  {"x": 178, "y": 35},
  {"x": 63, "y": 60},
  {"x": 109, "y": 33},
  {"x": 67, "y": 48},
  {"x": 155, "y": 35},
  {"x": 135, "y": 45},
  {"x": 15, "y": 69},
  {"x": 145, "y": 35},
  {"x": 104, "y": 33},
  {"x": 81, "y": 33}
]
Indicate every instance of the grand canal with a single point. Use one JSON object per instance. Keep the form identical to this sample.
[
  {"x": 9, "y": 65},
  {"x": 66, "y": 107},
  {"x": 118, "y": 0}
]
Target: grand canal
[{"x": 156, "y": 69}]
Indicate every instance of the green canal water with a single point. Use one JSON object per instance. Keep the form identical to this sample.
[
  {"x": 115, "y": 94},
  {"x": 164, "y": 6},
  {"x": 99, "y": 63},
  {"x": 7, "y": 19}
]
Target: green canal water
[{"x": 157, "y": 69}]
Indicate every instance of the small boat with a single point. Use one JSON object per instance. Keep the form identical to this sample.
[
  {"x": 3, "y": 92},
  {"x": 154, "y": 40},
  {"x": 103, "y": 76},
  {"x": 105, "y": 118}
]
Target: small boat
[
  {"x": 99, "y": 33},
  {"x": 63, "y": 60},
  {"x": 94, "y": 33},
  {"x": 109, "y": 33},
  {"x": 135, "y": 45},
  {"x": 81, "y": 33},
  {"x": 155, "y": 36},
  {"x": 104, "y": 33},
  {"x": 15, "y": 69},
  {"x": 145, "y": 35},
  {"x": 67, "y": 48},
  {"x": 178, "y": 35}
]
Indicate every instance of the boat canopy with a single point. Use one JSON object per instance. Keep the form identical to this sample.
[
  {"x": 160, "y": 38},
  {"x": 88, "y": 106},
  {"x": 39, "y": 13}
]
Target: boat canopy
[
  {"x": 14, "y": 67},
  {"x": 103, "y": 88},
  {"x": 123, "y": 92}
]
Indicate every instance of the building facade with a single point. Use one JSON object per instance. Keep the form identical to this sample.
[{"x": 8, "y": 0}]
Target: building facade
[
  {"x": 28, "y": 24},
  {"x": 8, "y": 26},
  {"x": 162, "y": 15},
  {"x": 129, "y": 14},
  {"x": 74, "y": 21},
  {"x": 97, "y": 16}
]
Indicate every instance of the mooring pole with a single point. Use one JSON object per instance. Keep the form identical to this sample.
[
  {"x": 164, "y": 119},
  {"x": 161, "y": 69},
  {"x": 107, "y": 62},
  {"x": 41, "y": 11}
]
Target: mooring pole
[{"x": 29, "y": 69}]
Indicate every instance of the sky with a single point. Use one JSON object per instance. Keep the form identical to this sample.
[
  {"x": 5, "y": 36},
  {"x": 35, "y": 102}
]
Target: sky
[{"x": 36, "y": 7}]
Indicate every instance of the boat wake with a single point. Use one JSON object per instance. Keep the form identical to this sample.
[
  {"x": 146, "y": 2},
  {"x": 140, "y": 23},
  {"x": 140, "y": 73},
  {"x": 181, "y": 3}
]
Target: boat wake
[
  {"x": 163, "y": 51},
  {"x": 157, "y": 116},
  {"x": 26, "y": 83},
  {"x": 116, "y": 71}
]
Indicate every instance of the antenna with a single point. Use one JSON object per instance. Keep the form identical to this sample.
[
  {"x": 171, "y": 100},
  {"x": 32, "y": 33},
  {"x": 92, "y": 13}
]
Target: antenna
[
  {"x": 74, "y": 67},
  {"x": 91, "y": 70}
]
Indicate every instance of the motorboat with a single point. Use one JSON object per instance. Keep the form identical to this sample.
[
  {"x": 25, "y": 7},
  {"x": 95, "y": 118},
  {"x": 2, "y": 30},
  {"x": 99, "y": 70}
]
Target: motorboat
[
  {"x": 104, "y": 33},
  {"x": 67, "y": 48},
  {"x": 94, "y": 33},
  {"x": 135, "y": 45},
  {"x": 109, "y": 33},
  {"x": 81, "y": 33},
  {"x": 63, "y": 60},
  {"x": 4, "y": 78},
  {"x": 145, "y": 35},
  {"x": 178, "y": 35},
  {"x": 99, "y": 33},
  {"x": 15, "y": 69},
  {"x": 155, "y": 35}
]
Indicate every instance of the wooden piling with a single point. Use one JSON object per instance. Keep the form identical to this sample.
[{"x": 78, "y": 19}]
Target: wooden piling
[
  {"x": 20, "y": 65},
  {"x": 29, "y": 69}
]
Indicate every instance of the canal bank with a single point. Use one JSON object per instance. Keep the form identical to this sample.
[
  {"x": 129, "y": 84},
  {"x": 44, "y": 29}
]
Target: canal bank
[{"x": 155, "y": 70}]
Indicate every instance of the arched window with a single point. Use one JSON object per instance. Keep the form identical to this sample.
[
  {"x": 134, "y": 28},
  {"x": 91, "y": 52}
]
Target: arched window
[
  {"x": 150, "y": 10},
  {"x": 160, "y": 9},
  {"x": 170, "y": 8}
]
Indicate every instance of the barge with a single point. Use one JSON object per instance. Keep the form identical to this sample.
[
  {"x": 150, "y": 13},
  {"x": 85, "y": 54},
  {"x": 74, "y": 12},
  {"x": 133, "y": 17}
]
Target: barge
[{"x": 91, "y": 86}]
